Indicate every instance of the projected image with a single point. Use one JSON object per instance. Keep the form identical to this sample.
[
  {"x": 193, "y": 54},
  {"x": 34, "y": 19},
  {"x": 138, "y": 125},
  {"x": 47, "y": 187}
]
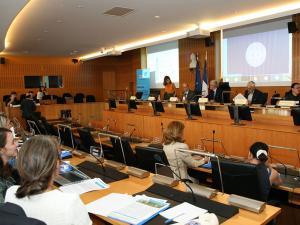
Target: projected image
[
  {"x": 163, "y": 60},
  {"x": 263, "y": 57}
]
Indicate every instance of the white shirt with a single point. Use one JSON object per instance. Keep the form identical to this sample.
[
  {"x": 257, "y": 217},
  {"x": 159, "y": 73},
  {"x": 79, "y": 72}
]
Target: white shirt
[
  {"x": 53, "y": 207},
  {"x": 250, "y": 96}
]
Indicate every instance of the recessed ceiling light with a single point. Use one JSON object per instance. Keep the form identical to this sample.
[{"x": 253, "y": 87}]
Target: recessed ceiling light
[
  {"x": 39, "y": 39},
  {"x": 157, "y": 17},
  {"x": 59, "y": 21},
  {"x": 46, "y": 31},
  {"x": 79, "y": 6}
]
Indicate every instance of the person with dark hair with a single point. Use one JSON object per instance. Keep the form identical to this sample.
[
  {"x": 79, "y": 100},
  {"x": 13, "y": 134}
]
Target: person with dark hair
[
  {"x": 179, "y": 161},
  {"x": 12, "y": 99},
  {"x": 259, "y": 155},
  {"x": 170, "y": 89},
  {"x": 294, "y": 93},
  {"x": 214, "y": 92},
  {"x": 38, "y": 163},
  {"x": 8, "y": 149}
]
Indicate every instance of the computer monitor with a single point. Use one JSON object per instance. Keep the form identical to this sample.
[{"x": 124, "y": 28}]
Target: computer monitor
[
  {"x": 192, "y": 109},
  {"x": 131, "y": 105},
  {"x": 238, "y": 113},
  {"x": 240, "y": 178},
  {"x": 157, "y": 107},
  {"x": 112, "y": 104},
  {"x": 295, "y": 113},
  {"x": 139, "y": 95}
]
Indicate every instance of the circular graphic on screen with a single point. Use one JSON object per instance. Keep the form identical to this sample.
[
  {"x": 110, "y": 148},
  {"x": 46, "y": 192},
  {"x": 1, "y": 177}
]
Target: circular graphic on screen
[{"x": 256, "y": 54}]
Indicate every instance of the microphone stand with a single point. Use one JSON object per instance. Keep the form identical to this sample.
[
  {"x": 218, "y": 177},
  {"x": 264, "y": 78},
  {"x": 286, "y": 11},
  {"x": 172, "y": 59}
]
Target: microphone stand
[
  {"x": 185, "y": 181},
  {"x": 213, "y": 140},
  {"x": 93, "y": 150},
  {"x": 284, "y": 166}
]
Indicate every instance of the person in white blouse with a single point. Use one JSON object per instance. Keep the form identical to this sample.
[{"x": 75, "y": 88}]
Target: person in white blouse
[
  {"x": 38, "y": 163},
  {"x": 179, "y": 161}
]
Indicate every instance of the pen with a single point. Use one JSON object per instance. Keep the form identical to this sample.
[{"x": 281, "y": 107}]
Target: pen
[{"x": 171, "y": 219}]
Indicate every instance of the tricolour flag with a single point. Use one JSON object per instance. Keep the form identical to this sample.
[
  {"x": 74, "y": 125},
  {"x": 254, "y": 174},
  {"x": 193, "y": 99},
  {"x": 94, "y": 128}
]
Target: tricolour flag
[
  {"x": 198, "y": 83},
  {"x": 205, "y": 79}
]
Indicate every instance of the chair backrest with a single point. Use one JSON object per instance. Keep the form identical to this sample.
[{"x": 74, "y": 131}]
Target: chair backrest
[
  {"x": 34, "y": 127},
  {"x": 265, "y": 98},
  {"x": 22, "y": 97},
  {"x": 50, "y": 129},
  {"x": 78, "y": 98},
  {"x": 87, "y": 140},
  {"x": 66, "y": 136},
  {"x": 68, "y": 95},
  {"x": 5, "y": 98},
  {"x": 120, "y": 147},
  {"x": 248, "y": 180},
  {"x": 145, "y": 157},
  {"x": 61, "y": 100},
  {"x": 273, "y": 99},
  {"x": 90, "y": 98}
]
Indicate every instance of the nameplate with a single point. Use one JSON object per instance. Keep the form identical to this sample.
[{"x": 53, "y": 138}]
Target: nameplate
[
  {"x": 132, "y": 97},
  {"x": 285, "y": 103},
  {"x": 173, "y": 99},
  {"x": 240, "y": 102},
  {"x": 203, "y": 100},
  {"x": 151, "y": 98}
]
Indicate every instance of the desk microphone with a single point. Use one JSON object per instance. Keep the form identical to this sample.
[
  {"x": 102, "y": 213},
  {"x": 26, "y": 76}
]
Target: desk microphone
[
  {"x": 213, "y": 140},
  {"x": 131, "y": 133},
  {"x": 98, "y": 152},
  {"x": 185, "y": 181}
]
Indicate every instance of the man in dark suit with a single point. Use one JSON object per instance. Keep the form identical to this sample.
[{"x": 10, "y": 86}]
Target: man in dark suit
[
  {"x": 214, "y": 92},
  {"x": 254, "y": 95},
  {"x": 294, "y": 93},
  {"x": 28, "y": 107},
  {"x": 188, "y": 94}
]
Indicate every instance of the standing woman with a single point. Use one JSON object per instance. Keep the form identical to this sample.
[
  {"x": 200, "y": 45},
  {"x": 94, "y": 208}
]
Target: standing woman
[
  {"x": 172, "y": 140},
  {"x": 38, "y": 163},
  {"x": 170, "y": 89},
  {"x": 8, "y": 149}
]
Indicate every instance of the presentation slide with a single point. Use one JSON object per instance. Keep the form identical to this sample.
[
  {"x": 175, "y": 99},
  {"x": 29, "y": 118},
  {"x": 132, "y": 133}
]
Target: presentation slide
[
  {"x": 264, "y": 57},
  {"x": 163, "y": 60}
]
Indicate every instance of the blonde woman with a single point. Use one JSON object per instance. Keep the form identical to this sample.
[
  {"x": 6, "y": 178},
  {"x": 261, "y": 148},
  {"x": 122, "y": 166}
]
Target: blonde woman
[{"x": 172, "y": 140}]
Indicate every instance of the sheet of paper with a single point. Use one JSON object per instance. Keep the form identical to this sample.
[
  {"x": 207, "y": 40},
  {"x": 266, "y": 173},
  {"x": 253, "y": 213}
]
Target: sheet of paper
[
  {"x": 108, "y": 204},
  {"x": 183, "y": 212},
  {"x": 84, "y": 186}
]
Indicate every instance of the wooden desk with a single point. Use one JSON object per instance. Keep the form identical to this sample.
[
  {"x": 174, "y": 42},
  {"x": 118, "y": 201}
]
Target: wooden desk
[
  {"x": 85, "y": 112},
  {"x": 134, "y": 185},
  {"x": 271, "y": 129}
]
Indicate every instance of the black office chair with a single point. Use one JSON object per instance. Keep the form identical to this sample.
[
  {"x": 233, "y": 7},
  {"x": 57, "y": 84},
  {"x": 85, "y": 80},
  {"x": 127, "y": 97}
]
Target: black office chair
[
  {"x": 90, "y": 98},
  {"x": 274, "y": 99},
  {"x": 79, "y": 98},
  {"x": 5, "y": 98},
  {"x": 265, "y": 98},
  {"x": 22, "y": 97},
  {"x": 46, "y": 97},
  {"x": 145, "y": 157},
  {"x": 67, "y": 95},
  {"x": 123, "y": 146},
  {"x": 61, "y": 100},
  {"x": 87, "y": 140},
  {"x": 50, "y": 129},
  {"x": 66, "y": 135},
  {"x": 33, "y": 127},
  {"x": 248, "y": 180}
]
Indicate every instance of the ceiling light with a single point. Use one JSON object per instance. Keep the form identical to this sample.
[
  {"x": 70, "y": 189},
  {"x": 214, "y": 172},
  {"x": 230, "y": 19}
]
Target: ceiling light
[
  {"x": 157, "y": 17},
  {"x": 79, "y": 6},
  {"x": 46, "y": 31},
  {"x": 270, "y": 13},
  {"x": 59, "y": 21}
]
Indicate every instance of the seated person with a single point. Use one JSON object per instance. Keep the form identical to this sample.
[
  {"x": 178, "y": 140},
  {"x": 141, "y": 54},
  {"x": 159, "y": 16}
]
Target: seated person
[
  {"x": 254, "y": 95},
  {"x": 4, "y": 121},
  {"x": 173, "y": 139},
  {"x": 8, "y": 150},
  {"x": 188, "y": 94},
  {"x": 12, "y": 99},
  {"x": 170, "y": 89},
  {"x": 36, "y": 195},
  {"x": 214, "y": 92},
  {"x": 259, "y": 155},
  {"x": 294, "y": 93},
  {"x": 28, "y": 107}
]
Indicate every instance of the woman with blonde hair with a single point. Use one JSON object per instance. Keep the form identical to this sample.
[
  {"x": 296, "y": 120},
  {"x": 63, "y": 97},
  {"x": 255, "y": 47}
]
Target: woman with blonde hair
[
  {"x": 172, "y": 140},
  {"x": 38, "y": 163}
]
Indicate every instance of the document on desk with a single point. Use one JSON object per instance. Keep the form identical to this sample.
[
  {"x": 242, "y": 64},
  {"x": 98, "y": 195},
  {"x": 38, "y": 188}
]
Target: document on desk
[
  {"x": 84, "y": 186},
  {"x": 133, "y": 210},
  {"x": 183, "y": 213}
]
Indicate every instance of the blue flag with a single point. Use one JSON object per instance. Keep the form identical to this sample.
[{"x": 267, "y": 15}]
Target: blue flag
[
  {"x": 198, "y": 83},
  {"x": 205, "y": 79}
]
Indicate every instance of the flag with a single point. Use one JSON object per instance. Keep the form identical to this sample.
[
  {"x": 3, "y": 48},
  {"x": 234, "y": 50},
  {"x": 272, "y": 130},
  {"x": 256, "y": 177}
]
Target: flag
[
  {"x": 205, "y": 79},
  {"x": 198, "y": 84}
]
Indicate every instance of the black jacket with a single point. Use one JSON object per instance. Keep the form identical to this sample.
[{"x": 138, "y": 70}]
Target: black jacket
[
  {"x": 289, "y": 96},
  {"x": 190, "y": 96},
  {"x": 217, "y": 97},
  {"x": 257, "y": 98},
  {"x": 27, "y": 107},
  {"x": 13, "y": 214}
]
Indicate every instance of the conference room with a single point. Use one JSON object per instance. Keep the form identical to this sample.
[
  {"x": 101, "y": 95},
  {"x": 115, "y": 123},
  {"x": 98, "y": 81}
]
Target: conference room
[{"x": 149, "y": 112}]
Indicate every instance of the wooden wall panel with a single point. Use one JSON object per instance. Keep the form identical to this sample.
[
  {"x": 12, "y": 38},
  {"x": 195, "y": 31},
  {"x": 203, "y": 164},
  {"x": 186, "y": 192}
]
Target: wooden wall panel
[
  {"x": 296, "y": 51},
  {"x": 188, "y": 46}
]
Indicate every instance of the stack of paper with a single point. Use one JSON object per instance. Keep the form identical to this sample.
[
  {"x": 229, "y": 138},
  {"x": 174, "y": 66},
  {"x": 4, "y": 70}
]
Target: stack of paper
[
  {"x": 183, "y": 213},
  {"x": 133, "y": 210},
  {"x": 84, "y": 186}
]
